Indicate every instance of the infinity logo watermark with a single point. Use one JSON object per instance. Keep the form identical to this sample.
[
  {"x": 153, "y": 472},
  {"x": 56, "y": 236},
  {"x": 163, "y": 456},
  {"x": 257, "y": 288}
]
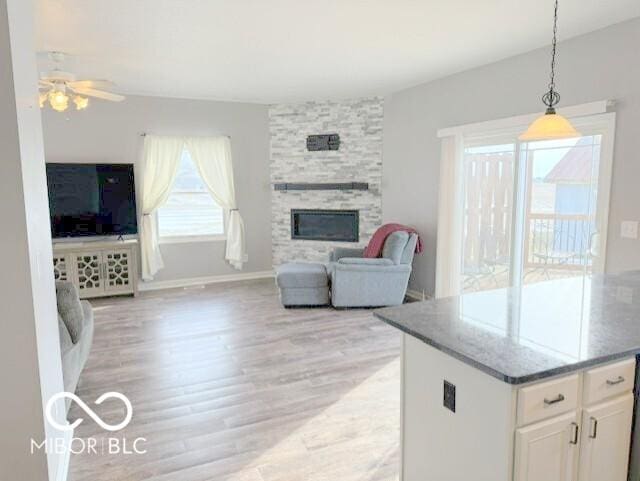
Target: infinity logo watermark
[
  {"x": 91, "y": 445},
  {"x": 89, "y": 411}
]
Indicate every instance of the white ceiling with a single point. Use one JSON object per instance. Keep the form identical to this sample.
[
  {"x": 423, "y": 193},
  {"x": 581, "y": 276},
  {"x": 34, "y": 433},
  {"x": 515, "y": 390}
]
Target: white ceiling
[{"x": 288, "y": 50}]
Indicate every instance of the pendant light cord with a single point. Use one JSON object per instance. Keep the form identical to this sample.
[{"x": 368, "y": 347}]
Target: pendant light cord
[
  {"x": 551, "y": 98},
  {"x": 553, "y": 47}
]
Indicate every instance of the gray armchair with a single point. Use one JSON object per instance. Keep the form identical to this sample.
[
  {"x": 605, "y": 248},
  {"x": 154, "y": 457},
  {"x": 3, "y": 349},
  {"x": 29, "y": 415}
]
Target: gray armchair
[{"x": 364, "y": 282}]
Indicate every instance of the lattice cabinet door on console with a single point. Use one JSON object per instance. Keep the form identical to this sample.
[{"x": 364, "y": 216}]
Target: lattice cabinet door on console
[
  {"x": 89, "y": 271},
  {"x": 118, "y": 272},
  {"x": 61, "y": 268},
  {"x": 102, "y": 268}
]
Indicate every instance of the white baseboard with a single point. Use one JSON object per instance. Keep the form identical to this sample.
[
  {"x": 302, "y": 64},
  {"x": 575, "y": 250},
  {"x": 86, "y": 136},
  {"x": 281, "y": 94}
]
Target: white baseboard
[
  {"x": 200, "y": 281},
  {"x": 63, "y": 462}
]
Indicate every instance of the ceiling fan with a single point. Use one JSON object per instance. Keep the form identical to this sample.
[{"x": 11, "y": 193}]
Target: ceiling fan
[{"x": 58, "y": 87}]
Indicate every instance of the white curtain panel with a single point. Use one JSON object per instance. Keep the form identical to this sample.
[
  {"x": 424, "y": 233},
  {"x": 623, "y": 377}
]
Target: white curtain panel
[
  {"x": 212, "y": 156},
  {"x": 450, "y": 218},
  {"x": 160, "y": 160}
]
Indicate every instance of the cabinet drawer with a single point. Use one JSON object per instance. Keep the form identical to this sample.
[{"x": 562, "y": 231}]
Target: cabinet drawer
[
  {"x": 612, "y": 380},
  {"x": 547, "y": 399}
]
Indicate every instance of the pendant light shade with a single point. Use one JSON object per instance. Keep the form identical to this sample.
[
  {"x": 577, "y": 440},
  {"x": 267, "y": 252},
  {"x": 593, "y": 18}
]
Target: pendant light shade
[{"x": 551, "y": 125}]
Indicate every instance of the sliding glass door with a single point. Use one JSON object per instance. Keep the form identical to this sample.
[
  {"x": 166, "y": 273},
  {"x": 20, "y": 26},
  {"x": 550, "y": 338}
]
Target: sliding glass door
[{"x": 534, "y": 211}]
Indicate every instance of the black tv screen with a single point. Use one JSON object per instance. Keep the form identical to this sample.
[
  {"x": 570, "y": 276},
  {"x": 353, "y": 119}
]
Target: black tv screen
[{"x": 91, "y": 200}]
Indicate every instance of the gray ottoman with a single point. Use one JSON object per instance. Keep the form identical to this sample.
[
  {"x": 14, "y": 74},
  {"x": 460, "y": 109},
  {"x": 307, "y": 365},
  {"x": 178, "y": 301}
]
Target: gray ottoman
[{"x": 303, "y": 284}]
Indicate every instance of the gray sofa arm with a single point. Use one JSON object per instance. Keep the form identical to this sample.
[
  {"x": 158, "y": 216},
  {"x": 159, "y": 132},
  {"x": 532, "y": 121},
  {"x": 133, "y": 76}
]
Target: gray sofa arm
[
  {"x": 365, "y": 261},
  {"x": 70, "y": 308},
  {"x": 372, "y": 267},
  {"x": 340, "y": 252}
]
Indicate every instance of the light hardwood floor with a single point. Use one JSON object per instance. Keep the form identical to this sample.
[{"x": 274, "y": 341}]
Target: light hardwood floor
[{"x": 227, "y": 385}]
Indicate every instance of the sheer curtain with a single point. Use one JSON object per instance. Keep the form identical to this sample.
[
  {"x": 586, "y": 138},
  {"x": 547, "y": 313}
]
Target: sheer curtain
[
  {"x": 450, "y": 218},
  {"x": 160, "y": 159},
  {"x": 212, "y": 156}
]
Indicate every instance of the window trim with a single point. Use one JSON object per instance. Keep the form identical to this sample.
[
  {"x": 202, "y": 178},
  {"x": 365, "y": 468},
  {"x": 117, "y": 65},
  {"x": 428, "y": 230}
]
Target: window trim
[{"x": 515, "y": 124}]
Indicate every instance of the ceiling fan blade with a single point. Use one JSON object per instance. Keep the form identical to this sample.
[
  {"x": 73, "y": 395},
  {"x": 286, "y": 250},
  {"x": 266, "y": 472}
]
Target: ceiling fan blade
[
  {"x": 45, "y": 84},
  {"x": 99, "y": 94},
  {"x": 91, "y": 84}
]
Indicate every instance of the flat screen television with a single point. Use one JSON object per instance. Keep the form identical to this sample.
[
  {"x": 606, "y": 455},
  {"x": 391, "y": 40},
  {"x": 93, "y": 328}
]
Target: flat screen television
[{"x": 91, "y": 200}]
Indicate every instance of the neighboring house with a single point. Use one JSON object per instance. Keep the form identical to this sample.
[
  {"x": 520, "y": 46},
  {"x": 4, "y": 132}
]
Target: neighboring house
[{"x": 573, "y": 177}]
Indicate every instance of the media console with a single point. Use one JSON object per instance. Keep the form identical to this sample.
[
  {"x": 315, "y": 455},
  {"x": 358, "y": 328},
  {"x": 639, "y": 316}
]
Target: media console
[{"x": 98, "y": 268}]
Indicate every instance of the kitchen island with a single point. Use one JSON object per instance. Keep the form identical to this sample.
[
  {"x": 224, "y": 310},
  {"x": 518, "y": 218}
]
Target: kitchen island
[{"x": 520, "y": 384}]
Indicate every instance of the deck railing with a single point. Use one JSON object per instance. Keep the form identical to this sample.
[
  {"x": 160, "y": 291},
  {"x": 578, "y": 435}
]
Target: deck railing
[{"x": 561, "y": 241}]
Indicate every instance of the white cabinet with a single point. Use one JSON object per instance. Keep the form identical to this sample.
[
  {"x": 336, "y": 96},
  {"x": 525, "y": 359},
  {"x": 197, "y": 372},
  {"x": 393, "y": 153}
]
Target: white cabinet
[
  {"x": 548, "y": 450},
  {"x": 573, "y": 427},
  {"x": 606, "y": 435},
  {"x": 98, "y": 268},
  {"x": 590, "y": 443}
]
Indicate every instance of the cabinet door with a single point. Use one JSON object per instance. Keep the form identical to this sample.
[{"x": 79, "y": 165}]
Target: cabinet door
[
  {"x": 61, "y": 267},
  {"x": 89, "y": 273},
  {"x": 606, "y": 436},
  {"x": 118, "y": 270},
  {"x": 548, "y": 450}
]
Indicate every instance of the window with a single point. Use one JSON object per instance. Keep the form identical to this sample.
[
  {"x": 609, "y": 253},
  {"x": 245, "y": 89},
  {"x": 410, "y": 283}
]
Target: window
[{"x": 190, "y": 212}]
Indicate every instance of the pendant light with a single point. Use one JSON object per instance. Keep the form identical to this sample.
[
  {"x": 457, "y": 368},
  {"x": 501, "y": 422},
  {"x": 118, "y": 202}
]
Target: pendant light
[{"x": 551, "y": 125}]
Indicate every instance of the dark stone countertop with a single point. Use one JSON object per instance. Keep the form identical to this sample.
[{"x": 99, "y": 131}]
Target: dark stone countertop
[{"x": 519, "y": 335}]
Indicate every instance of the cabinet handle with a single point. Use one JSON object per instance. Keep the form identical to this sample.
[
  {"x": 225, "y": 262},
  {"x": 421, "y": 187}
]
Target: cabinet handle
[
  {"x": 576, "y": 430},
  {"x": 555, "y": 400},
  {"x": 594, "y": 428},
  {"x": 616, "y": 381}
]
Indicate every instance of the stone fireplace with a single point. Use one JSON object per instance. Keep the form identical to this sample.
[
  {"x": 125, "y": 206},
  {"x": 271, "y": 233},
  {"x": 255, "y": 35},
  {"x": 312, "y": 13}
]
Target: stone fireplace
[{"x": 341, "y": 203}]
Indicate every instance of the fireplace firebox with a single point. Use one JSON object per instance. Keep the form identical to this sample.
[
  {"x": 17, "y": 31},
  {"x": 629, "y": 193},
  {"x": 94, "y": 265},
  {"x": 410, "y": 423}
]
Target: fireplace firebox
[{"x": 325, "y": 225}]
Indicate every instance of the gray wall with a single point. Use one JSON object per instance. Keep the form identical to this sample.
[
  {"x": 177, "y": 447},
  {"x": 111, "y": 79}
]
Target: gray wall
[
  {"x": 600, "y": 65},
  {"x": 110, "y": 132},
  {"x": 359, "y": 159},
  {"x": 30, "y": 367}
]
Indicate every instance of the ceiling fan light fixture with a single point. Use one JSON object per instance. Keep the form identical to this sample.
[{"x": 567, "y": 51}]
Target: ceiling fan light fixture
[
  {"x": 551, "y": 125},
  {"x": 81, "y": 102},
  {"x": 58, "y": 87},
  {"x": 58, "y": 100}
]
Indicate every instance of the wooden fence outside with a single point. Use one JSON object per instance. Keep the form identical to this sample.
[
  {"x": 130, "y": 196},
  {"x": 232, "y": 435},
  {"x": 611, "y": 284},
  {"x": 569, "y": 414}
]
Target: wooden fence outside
[{"x": 551, "y": 240}]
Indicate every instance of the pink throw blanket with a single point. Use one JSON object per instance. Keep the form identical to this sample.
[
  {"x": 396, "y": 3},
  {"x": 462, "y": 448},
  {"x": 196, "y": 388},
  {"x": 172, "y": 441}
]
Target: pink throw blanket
[{"x": 374, "y": 248}]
